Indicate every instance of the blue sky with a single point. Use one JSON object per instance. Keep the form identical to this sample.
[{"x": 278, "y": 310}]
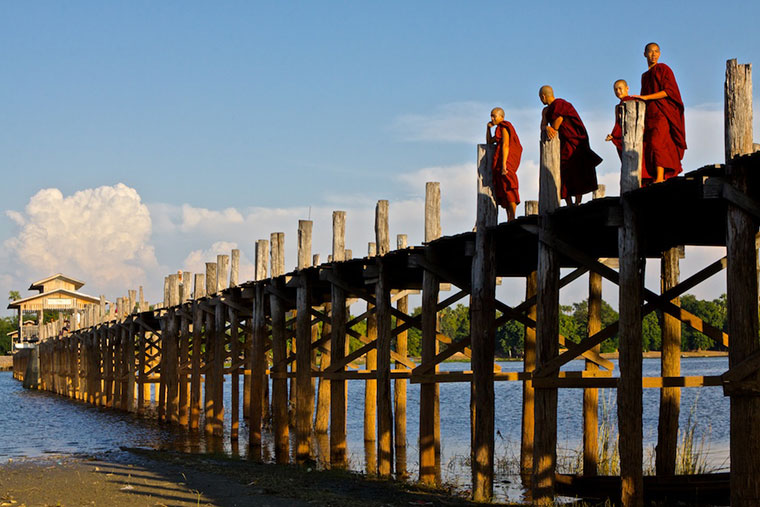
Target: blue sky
[{"x": 228, "y": 120}]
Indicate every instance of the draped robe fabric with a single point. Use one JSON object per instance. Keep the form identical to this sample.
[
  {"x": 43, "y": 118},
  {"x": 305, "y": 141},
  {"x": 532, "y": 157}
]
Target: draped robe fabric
[
  {"x": 664, "y": 129},
  {"x": 506, "y": 185},
  {"x": 577, "y": 160}
]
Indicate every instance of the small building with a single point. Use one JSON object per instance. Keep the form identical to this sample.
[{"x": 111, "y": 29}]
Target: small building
[{"x": 58, "y": 293}]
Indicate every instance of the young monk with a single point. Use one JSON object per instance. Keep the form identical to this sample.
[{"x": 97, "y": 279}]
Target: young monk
[
  {"x": 506, "y": 159},
  {"x": 577, "y": 161},
  {"x": 664, "y": 128},
  {"x": 616, "y": 136}
]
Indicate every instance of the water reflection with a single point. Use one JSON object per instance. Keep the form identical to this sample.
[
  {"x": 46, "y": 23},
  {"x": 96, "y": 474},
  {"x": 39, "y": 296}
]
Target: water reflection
[{"x": 34, "y": 423}]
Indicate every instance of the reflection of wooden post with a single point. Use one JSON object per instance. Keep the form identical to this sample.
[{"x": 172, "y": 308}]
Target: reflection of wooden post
[
  {"x": 529, "y": 365},
  {"x": 483, "y": 332},
  {"x": 399, "y": 385},
  {"x": 383, "y": 299},
  {"x": 741, "y": 285},
  {"x": 670, "y": 397},
  {"x": 430, "y": 444},
  {"x": 547, "y": 325},
  {"x": 338, "y": 455},
  {"x": 279, "y": 354},
  {"x": 591, "y": 395},
  {"x": 631, "y": 287},
  {"x": 304, "y": 390},
  {"x": 195, "y": 378}
]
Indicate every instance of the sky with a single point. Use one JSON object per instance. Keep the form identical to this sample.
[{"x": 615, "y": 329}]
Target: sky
[{"x": 143, "y": 137}]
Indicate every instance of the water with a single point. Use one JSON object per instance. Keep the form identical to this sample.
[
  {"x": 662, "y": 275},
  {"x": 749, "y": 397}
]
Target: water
[{"x": 35, "y": 423}]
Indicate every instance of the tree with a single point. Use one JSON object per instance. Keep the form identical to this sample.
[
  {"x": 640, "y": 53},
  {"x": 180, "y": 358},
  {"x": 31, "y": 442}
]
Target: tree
[
  {"x": 14, "y": 295},
  {"x": 713, "y": 312}
]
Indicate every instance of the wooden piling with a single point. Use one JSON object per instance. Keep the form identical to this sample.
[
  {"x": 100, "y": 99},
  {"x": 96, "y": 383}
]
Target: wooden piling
[
  {"x": 195, "y": 374},
  {"x": 670, "y": 361},
  {"x": 400, "y": 384},
  {"x": 338, "y": 451},
  {"x": 547, "y": 324},
  {"x": 591, "y": 395},
  {"x": 483, "y": 331},
  {"x": 631, "y": 292},
  {"x": 304, "y": 389},
  {"x": 370, "y": 385},
  {"x": 529, "y": 365},
  {"x": 383, "y": 311},
  {"x": 280, "y": 400},
  {"x": 429, "y": 434},
  {"x": 258, "y": 362},
  {"x": 741, "y": 288},
  {"x": 209, "y": 335}
]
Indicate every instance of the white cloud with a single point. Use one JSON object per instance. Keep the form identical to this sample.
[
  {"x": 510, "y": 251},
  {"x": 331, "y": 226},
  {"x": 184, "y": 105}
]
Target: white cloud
[
  {"x": 100, "y": 235},
  {"x": 195, "y": 260}
]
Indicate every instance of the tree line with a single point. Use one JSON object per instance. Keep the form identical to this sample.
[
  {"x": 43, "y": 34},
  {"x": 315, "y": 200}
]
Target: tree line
[{"x": 573, "y": 325}]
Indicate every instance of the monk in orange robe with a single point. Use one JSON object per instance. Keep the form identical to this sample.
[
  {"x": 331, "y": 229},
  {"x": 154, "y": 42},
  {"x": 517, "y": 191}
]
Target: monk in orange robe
[
  {"x": 664, "y": 127},
  {"x": 506, "y": 159},
  {"x": 577, "y": 160}
]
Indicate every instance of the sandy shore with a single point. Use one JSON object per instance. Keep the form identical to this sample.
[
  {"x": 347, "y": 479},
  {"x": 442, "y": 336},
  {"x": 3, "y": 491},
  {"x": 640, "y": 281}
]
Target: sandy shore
[{"x": 163, "y": 478}]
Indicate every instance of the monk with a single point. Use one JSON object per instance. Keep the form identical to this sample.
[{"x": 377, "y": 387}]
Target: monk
[
  {"x": 577, "y": 161},
  {"x": 506, "y": 159},
  {"x": 664, "y": 128},
  {"x": 620, "y": 87}
]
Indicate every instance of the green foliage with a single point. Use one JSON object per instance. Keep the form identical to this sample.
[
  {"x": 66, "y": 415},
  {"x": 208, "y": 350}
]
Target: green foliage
[
  {"x": 713, "y": 312},
  {"x": 455, "y": 322},
  {"x": 14, "y": 295},
  {"x": 7, "y": 325},
  {"x": 651, "y": 333},
  {"x": 510, "y": 339}
]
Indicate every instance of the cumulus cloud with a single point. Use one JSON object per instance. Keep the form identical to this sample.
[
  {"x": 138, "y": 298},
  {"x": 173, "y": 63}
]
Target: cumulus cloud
[
  {"x": 101, "y": 234},
  {"x": 195, "y": 260}
]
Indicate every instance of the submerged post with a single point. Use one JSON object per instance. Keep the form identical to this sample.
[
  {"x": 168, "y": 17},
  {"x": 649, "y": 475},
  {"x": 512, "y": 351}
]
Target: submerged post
[
  {"x": 631, "y": 290},
  {"x": 547, "y": 324},
  {"x": 483, "y": 331},
  {"x": 741, "y": 286}
]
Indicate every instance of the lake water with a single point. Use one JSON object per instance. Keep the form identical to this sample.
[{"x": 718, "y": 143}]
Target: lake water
[{"x": 36, "y": 423}]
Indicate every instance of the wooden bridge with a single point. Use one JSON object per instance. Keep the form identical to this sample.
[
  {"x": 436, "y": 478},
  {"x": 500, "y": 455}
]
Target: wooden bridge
[{"x": 269, "y": 328}]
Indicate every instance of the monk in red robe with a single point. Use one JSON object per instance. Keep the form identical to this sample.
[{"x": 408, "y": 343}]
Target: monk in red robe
[
  {"x": 664, "y": 128},
  {"x": 506, "y": 159},
  {"x": 616, "y": 136},
  {"x": 577, "y": 160}
]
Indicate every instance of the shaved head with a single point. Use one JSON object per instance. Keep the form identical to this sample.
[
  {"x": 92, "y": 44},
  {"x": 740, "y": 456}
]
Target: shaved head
[
  {"x": 651, "y": 44},
  {"x": 498, "y": 111},
  {"x": 546, "y": 91},
  {"x": 620, "y": 81}
]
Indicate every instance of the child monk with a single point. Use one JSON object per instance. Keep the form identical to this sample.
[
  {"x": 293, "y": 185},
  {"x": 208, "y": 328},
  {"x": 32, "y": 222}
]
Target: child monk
[
  {"x": 620, "y": 87},
  {"x": 506, "y": 159}
]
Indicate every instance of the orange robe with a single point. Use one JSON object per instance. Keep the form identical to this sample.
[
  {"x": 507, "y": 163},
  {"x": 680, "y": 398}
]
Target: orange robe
[
  {"x": 506, "y": 186},
  {"x": 577, "y": 160},
  {"x": 664, "y": 126}
]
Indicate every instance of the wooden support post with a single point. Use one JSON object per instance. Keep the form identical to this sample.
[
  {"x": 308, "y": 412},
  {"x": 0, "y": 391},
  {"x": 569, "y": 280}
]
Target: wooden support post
[
  {"x": 130, "y": 330},
  {"x": 591, "y": 395},
  {"x": 234, "y": 267},
  {"x": 195, "y": 375},
  {"x": 258, "y": 360},
  {"x": 304, "y": 389},
  {"x": 280, "y": 399},
  {"x": 631, "y": 292},
  {"x": 547, "y": 325},
  {"x": 430, "y": 431},
  {"x": 383, "y": 299},
  {"x": 338, "y": 451},
  {"x": 322, "y": 417},
  {"x": 529, "y": 365},
  {"x": 232, "y": 316},
  {"x": 217, "y": 366},
  {"x": 670, "y": 397},
  {"x": 209, "y": 339},
  {"x": 400, "y": 385},
  {"x": 370, "y": 385},
  {"x": 483, "y": 332},
  {"x": 741, "y": 285},
  {"x": 184, "y": 349},
  {"x": 143, "y": 394},
  {"x": 222, "y": 268}
]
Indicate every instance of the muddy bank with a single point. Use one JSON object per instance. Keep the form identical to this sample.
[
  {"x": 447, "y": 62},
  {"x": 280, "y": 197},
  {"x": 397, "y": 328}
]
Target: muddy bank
[{"x": 140, "y": 477}]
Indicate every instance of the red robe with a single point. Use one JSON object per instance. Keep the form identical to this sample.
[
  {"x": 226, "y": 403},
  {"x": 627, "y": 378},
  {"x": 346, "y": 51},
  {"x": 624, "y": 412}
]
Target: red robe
[
  {"x": 664, "y": 129},
  {"x": 577, "y": 160},
  {"x": 506, "y": 185}
]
